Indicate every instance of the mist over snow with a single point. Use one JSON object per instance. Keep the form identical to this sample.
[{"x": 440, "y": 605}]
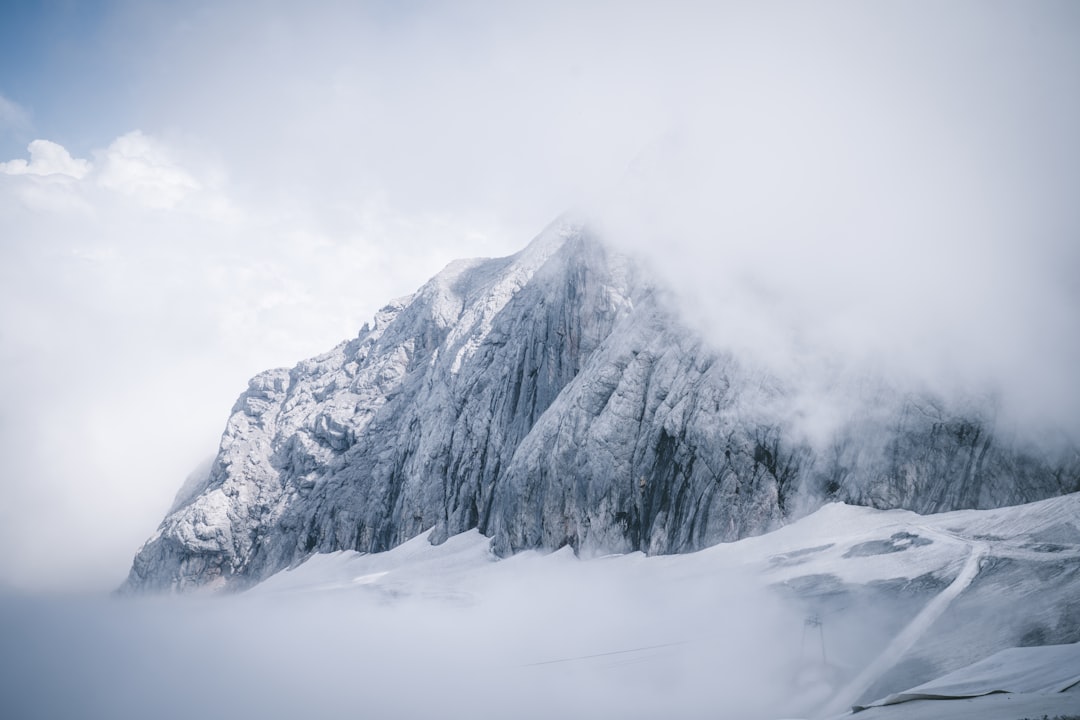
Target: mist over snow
[
  {"x": 448, "y": 630},
  {"x": 540, "y": 637},
  {"x": 191, "y": 194}
]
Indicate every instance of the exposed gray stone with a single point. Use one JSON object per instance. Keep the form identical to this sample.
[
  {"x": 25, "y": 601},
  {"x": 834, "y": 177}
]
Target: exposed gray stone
[{"x": 552, "y": 398}]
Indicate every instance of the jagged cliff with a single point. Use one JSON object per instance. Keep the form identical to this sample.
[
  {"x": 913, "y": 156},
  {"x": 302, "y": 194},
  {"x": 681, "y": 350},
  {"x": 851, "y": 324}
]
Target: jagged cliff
[{"x": 552, "y": 398}]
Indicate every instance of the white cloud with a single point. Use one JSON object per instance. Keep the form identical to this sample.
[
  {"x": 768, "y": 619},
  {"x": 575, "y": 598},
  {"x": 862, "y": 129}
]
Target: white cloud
[
  {"x": 47, "y": 158},
  {"x": 143, "y": 168}
]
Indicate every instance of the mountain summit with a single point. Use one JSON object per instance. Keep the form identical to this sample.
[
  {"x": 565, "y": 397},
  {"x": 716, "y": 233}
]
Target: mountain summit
[{"x": 553, "y": 398}]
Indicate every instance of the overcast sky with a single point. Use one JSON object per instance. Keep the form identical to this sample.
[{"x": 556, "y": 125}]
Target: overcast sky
[{"x": 193, "y": 192}]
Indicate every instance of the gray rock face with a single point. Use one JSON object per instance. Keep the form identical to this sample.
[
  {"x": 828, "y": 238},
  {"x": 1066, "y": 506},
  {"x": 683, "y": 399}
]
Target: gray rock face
[{"x": 550, "y": 398}]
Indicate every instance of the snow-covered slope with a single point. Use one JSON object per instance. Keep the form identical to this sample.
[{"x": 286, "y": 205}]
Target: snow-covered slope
[
  {"x": 549, "y": 399},
  {"x": 453, "y": 631},
  {"x": 1041, "y": 670},
  {"x": 845, "y": 606}
]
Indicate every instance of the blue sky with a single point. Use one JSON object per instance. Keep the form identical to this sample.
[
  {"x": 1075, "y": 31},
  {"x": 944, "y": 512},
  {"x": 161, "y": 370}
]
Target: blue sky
[
  {"x": 217, "y": 188},
  {"x": 80, "y": 67},
  {"x": 55, "y": 63}
]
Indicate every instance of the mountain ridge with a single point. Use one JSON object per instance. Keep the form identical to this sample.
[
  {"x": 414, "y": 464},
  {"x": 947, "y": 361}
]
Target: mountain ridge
[{"x": 551, "y": 398}]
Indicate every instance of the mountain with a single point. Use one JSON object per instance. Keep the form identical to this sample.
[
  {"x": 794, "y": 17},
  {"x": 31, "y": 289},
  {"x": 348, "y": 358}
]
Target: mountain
[{"x": 554, "y": 398}]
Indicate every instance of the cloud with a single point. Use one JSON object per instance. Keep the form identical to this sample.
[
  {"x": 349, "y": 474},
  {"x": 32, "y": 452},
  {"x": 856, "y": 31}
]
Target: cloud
[
  {"x": 47, "y": 158},
  {"x": 876, "y": 202},
  {"x": 141, "y": 167}
]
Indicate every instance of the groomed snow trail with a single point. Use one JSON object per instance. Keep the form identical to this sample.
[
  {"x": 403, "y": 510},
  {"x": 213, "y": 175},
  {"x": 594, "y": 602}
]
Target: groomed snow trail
[{"x": 846, "y": 698}]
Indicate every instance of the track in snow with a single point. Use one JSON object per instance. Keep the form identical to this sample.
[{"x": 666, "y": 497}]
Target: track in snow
[{"x": 907, "y": 638}]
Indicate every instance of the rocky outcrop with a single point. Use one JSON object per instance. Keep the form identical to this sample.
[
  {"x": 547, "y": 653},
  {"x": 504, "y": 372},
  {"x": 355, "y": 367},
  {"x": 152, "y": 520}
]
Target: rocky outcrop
[{"x": 551, "y": 398}]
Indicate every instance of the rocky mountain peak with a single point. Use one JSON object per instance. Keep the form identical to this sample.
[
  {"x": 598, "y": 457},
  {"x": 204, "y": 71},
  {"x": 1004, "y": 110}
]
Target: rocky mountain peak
[{"x": 549, "y": 398}]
